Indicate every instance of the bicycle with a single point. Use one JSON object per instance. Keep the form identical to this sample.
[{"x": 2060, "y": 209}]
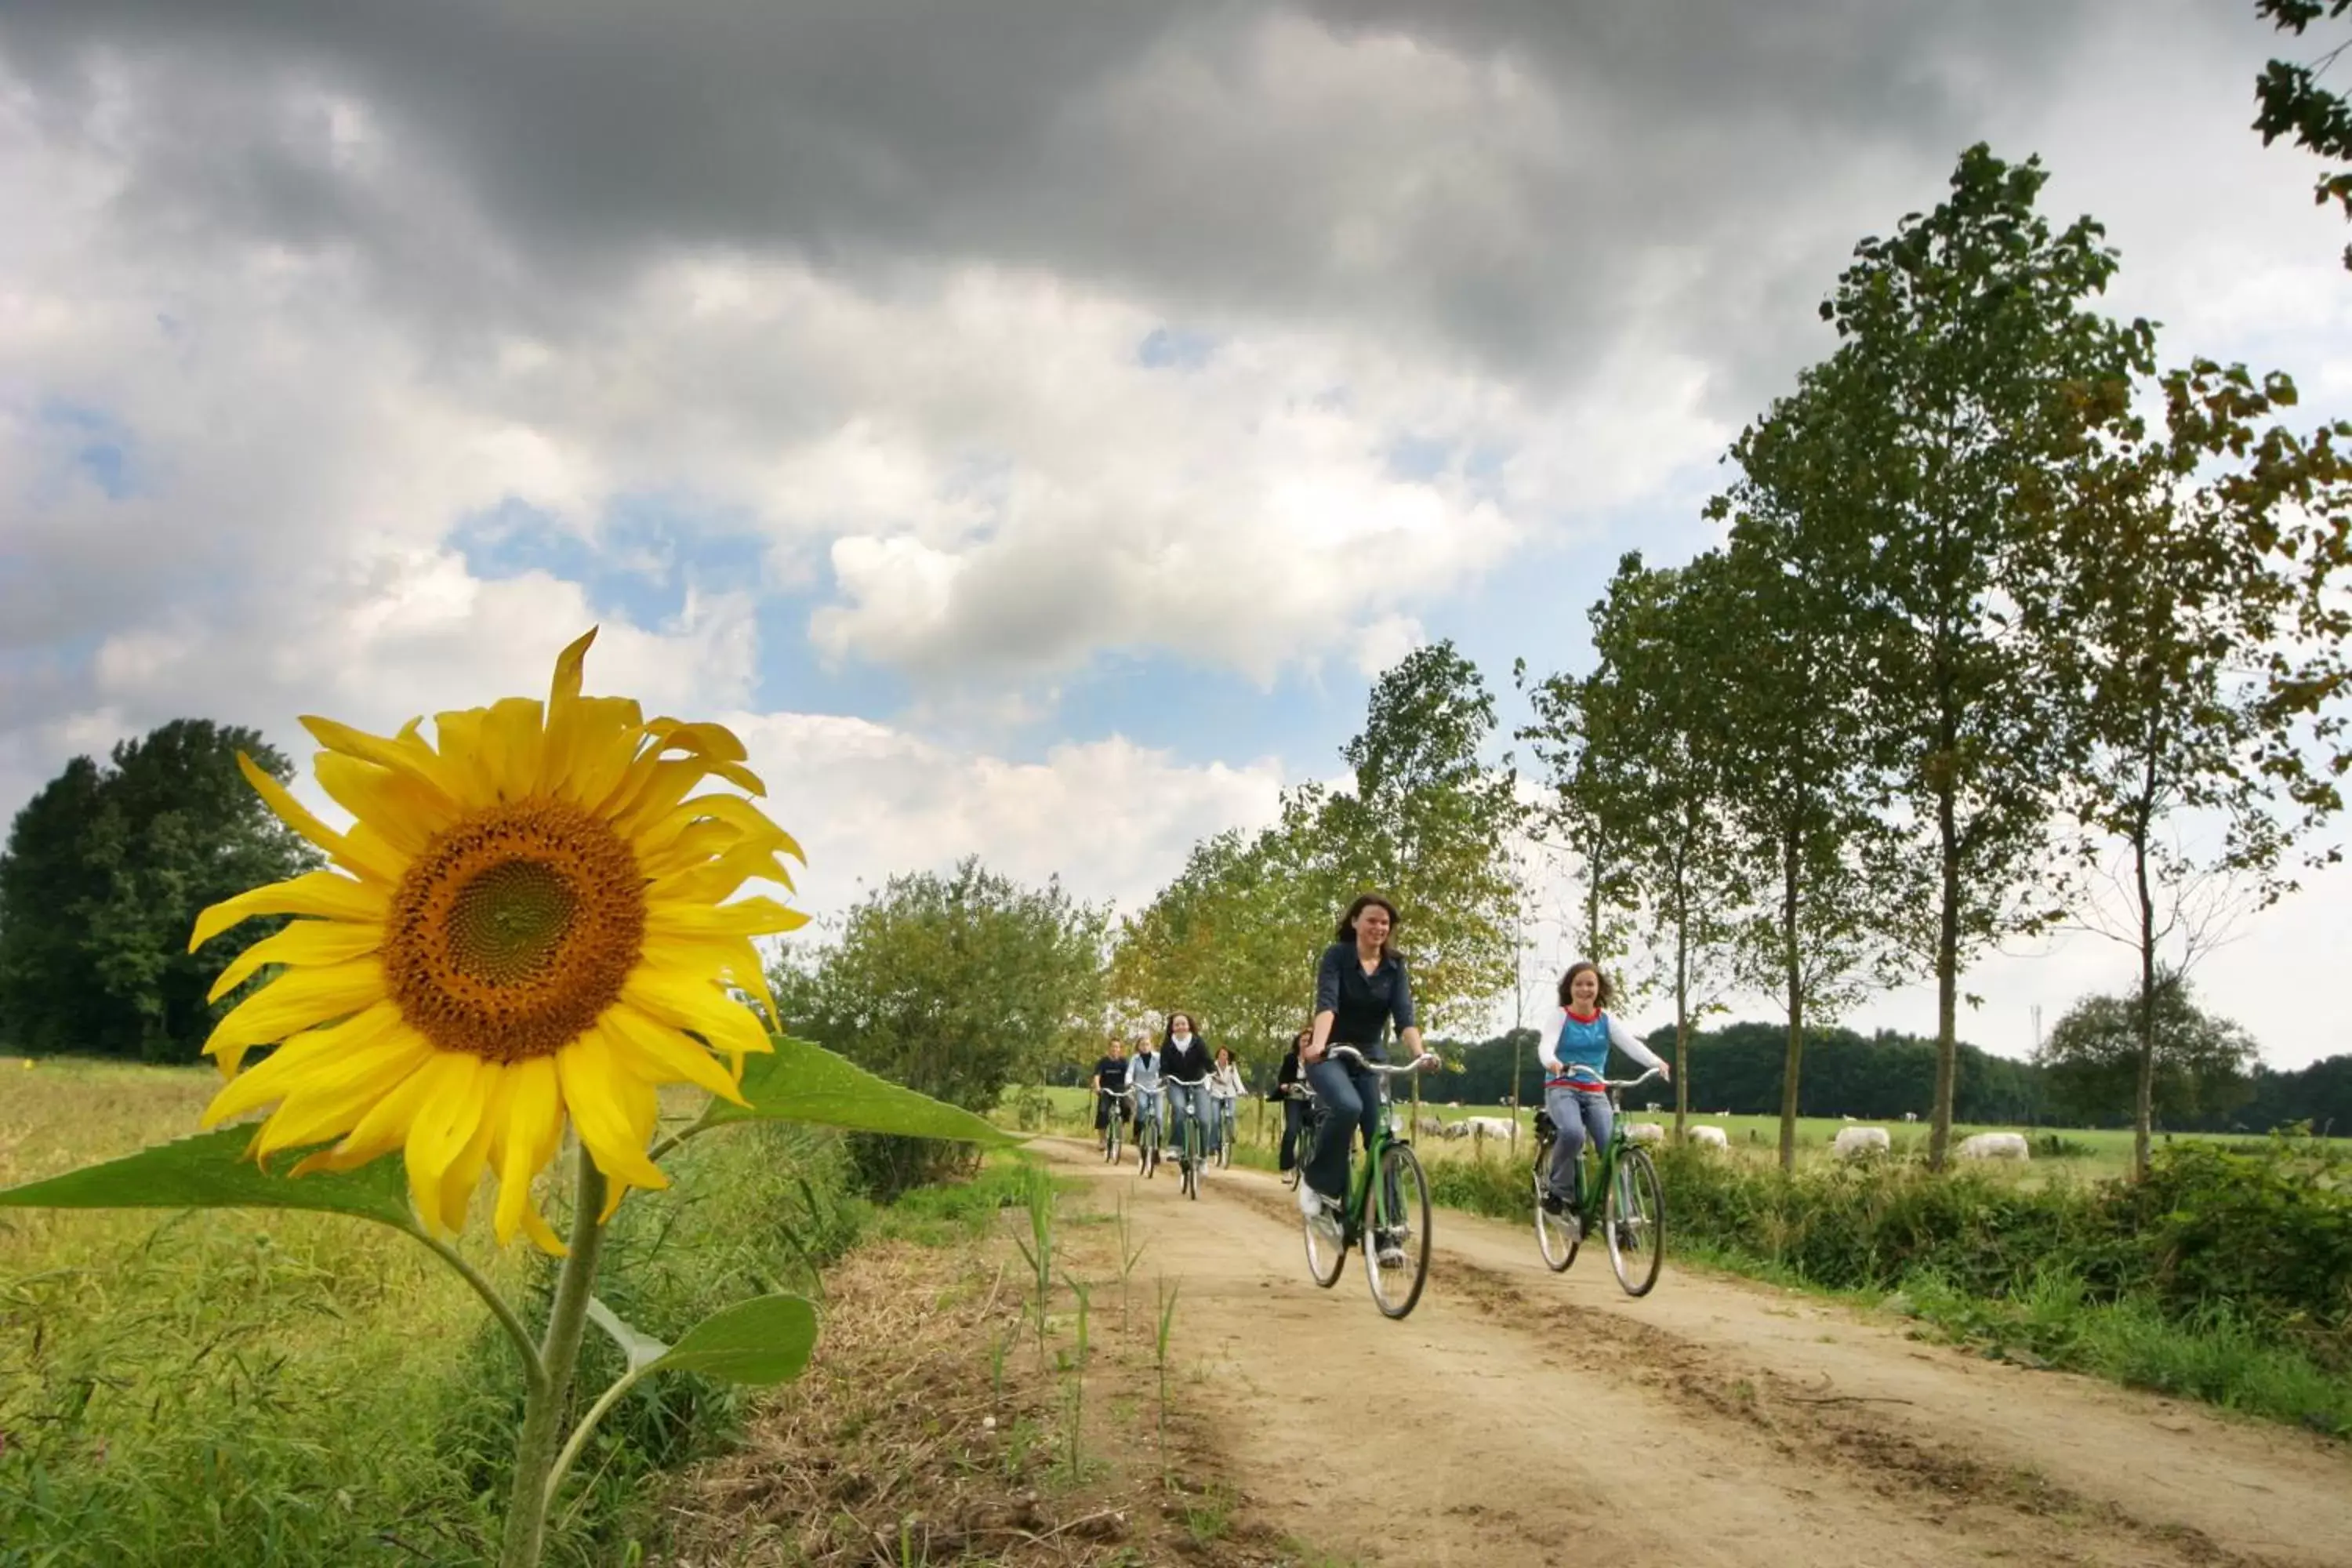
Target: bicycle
[
  {"x": 1147, "y": 1133},
  {"x": 1621, "y": 1195},
  {"x": 1115, "y": 1121},
  {"x": 1228, "y": 1126},
  {"x": 1188, "y": 1157},
  {"x": 1399, "y": 1217},
  {"x": 1309, "y": 1121}
]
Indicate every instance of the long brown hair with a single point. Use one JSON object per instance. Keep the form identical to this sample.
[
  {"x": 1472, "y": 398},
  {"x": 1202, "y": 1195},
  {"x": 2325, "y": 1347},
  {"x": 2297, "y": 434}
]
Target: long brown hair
[
  {"x": 1347, "y": 932},
  {"x": 1600, "y": 997}
]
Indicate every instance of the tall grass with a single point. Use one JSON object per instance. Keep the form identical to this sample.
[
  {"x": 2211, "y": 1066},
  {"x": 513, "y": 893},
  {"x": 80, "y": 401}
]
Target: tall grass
[{"x": 229, "y": 1387}]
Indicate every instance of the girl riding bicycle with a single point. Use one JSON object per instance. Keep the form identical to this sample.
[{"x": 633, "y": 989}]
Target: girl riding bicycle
[
  {"x": 1360, "y": 987},
  {"x": 1184, "y": 1070},
  {"x": 1574, "y": 1049},
  {"x": 1291, "y": 1091},
  {"x": 1143, "y": 1078}
]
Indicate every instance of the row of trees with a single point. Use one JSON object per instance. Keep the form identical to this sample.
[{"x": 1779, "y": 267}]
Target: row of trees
[{"x": 2000, "y": 611}]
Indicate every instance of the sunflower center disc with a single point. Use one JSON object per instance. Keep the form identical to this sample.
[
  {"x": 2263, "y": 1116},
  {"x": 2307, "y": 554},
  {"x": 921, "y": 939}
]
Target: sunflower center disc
[{"x": 514, "y": 930}]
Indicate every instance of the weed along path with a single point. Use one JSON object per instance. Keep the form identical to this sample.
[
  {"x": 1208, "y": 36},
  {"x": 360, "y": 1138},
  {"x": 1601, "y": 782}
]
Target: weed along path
[{"x": 1523, "y": 1417}]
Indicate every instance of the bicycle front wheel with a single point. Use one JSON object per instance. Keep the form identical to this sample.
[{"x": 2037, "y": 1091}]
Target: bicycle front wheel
[
  {"x": 1557, "y": 1235},
  {"x": 1635, "y": 1218},
  {"x": 1191, "y": 1157},
  {"x": 1396, "y": 1250}
]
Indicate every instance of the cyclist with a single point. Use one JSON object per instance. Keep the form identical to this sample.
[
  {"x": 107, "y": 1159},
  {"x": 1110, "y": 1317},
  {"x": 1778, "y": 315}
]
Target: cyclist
[
  {"x": 1290, "y": 1090},
  {"x": 1184, "y": 1069},
  {"x": 1110, "y": 1078},
  {"x": 1574, "y": 1049},
  {"x": 1360, "y": 987},
  {"x": 1224, "y": 1089},
  {"x": 1143, "y": 1076}
]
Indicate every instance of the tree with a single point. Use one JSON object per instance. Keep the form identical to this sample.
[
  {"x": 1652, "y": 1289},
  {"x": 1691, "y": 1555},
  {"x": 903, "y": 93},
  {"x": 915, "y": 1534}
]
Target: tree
[
  {"x": 1792, "y": 693},
  {"x": 1968, "y": 384},
  {"x": 2293, "y": 102},
  {"x": 2174, "y": 601},
  {"x": 2092, "y": 1060},
  {"x": 1648, "y": 714},
  {"x": 105, "y": 874},
  {"x": 1428, "y": 824},
  {"x": 955, "y": 986}
]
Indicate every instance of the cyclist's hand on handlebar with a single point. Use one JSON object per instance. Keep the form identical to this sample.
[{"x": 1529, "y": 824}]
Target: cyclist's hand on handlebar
[
  {"x": 1310, "y": 1053},
  {"x": 1428, "y": 1061}
]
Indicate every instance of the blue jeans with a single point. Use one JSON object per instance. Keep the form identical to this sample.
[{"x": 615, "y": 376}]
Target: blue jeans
[
  {"x": 1147, "y": 1108},
  {"x": 1352, "y": 1099},
  {"x": 1573, "y": 1114},
  {"x": 1193, "y": 1100}
]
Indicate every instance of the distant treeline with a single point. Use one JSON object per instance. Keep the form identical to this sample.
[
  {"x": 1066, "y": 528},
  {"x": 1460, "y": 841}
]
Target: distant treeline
[{"x": 1881, "y": 1075}]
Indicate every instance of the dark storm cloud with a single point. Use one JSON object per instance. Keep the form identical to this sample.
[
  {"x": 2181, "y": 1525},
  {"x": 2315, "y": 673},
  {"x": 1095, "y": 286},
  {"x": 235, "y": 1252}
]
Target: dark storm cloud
[{"x": 1564, "y": 159}]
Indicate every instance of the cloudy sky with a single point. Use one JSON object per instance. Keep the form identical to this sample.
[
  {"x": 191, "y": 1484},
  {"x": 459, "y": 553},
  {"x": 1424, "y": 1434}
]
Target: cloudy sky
[{"x": 1029, "y": 423}]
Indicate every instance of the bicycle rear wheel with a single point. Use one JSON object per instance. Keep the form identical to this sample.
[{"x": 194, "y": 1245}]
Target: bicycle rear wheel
[
  {"x": 1635, "y": 1221},
  {"x": 1396, "y": 1286},
  {"x": 1557, "y": 1235}
]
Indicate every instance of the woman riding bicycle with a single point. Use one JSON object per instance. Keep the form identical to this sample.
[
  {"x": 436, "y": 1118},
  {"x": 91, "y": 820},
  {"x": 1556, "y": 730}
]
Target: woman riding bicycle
[
  {"x": 1360, "y": 987},
  {"x": 1143, "y": 1078},
  {"x": 1184, "y": 1067},
  {"x": 1574, "y": 1049}
]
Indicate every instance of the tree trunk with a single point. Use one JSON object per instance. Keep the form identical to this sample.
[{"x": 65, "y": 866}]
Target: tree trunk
[
  {"x": 1947, "y": 959},
  {"x": 2144, "y": 1095},
  {"x": 1682, "y": 1023},
  {"x": 1794, "y": 964}
]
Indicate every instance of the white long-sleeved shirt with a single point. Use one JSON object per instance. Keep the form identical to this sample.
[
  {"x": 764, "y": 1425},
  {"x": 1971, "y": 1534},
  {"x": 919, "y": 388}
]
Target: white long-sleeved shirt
[
  {"x": 1585, "y": 1064},
  {"x": 1225, "y": 1082}
]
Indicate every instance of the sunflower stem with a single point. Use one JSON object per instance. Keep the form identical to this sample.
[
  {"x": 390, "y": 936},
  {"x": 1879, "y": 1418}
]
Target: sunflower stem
[
  {"x": 559, "y": 1354},
  {"x": 533, "y": 1371}
]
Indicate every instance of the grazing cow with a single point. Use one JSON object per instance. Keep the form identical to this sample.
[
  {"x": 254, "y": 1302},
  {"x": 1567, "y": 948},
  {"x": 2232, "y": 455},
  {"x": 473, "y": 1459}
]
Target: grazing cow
[
  {"x": 1995, "y": 1146},
  {"x": 1860, "y": 1142},
  {"x": 1845, "y": 1119},
  {"x": 1430, "y": 1126},
  {"x": 1646, "y": 1132},
  {"x": 1484, "y": 1127},
  {"x": 1910, "y": 1116},
  {"x": 1712, "y": 1137}
]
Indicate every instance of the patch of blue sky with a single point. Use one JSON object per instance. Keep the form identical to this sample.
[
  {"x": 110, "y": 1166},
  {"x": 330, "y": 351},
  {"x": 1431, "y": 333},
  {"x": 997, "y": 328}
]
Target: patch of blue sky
[
  {"x": 1175, "y": 348},
  {"x": 97, "y": 447},
  {"x": 1201, "y": 714}
]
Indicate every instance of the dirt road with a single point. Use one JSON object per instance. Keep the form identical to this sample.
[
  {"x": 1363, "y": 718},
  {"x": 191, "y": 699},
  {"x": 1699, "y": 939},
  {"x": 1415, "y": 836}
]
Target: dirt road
[{"x": 1523, "y": 1417}]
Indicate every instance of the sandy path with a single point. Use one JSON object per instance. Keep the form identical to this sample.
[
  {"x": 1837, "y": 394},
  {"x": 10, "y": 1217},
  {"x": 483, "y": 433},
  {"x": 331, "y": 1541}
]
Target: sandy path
[{"x": 1724, "y": 1422}]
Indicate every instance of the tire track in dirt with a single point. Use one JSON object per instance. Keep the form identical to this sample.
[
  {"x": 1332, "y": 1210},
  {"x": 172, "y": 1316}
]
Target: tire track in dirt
[{"x": 1520, "y": 1417}]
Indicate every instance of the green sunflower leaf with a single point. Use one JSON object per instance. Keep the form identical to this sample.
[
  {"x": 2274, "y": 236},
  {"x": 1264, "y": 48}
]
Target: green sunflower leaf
[
  {"x": 765, "y": 1339},
  {"x": 804, "y": 1082},
  {"x": 641, "y": 1349},
  {"x": 210, "y": 1171}
]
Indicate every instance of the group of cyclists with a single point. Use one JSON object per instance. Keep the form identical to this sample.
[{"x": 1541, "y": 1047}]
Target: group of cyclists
[{"x": 1331, "y": 1076}]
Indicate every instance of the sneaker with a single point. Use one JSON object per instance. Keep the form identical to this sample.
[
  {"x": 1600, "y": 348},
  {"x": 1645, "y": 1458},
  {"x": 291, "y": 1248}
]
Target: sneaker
[
  {"x": 1392, "y": 1249},
  {"x": 1310, "y": 1202},
  {"x": 1553, "y": 1203}
]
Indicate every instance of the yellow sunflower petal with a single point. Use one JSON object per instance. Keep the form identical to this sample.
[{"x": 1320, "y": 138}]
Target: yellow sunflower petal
[
  {"x": 440, "y": 1131},
  {"x": 304, "y": 1055},
  {"x": 532, "y": 1133},
  {"x": 698, "y": 1006},
  {"x": 404, "y": 812},
  {"x": 658, "y": 1053},
  {"x": 512, "y": 739},
  {"x": 321, "y": 893},
  {"x": 463, "y": 1177},
  {"x": 296, "y": 815},
  {"x": 304, "y": 942},
  {"x": 744, "y": 917},
  {"x": 602, "y": 734},
  {"x": 385, "y": 1126},
  {"x": 600, "y": 1093},
  {"x": 330, "y": 1103},
  {"x": 406, "y": 754},
  {"x": 700, "y": 740},
  {"x": 297, "y": 1000}
]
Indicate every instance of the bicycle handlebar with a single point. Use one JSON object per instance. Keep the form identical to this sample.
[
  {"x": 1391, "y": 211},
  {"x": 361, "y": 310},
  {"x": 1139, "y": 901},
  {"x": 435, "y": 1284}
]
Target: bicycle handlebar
[
  {"x": 1386, "y": 1069},
  {"x": 1185, "y": 1083}
]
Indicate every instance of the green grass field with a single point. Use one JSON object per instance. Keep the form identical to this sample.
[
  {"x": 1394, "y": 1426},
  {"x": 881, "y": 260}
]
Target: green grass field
[
  {"x": 232, "y": 1387},
  {"x": 2085, "y": 1153}
]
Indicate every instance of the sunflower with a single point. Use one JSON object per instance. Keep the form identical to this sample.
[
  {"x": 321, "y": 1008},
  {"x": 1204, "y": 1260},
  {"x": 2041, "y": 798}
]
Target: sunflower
[{"x": 525, "y": 925}]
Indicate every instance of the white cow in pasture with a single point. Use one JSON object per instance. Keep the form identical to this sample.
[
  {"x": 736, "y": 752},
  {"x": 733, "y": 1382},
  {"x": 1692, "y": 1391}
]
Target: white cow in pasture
[
  {"x": 1484, "y": 1127},
  {"x": 1910, "y": 1116},
  {"x": 1712, "y": 1137},
  {"x": 1646, "y": 1132},
  {"x": 1995, "y": 1146},
  {"x": 1430, "y": 1126},
  {"x": 1860, "y": 1142}
]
